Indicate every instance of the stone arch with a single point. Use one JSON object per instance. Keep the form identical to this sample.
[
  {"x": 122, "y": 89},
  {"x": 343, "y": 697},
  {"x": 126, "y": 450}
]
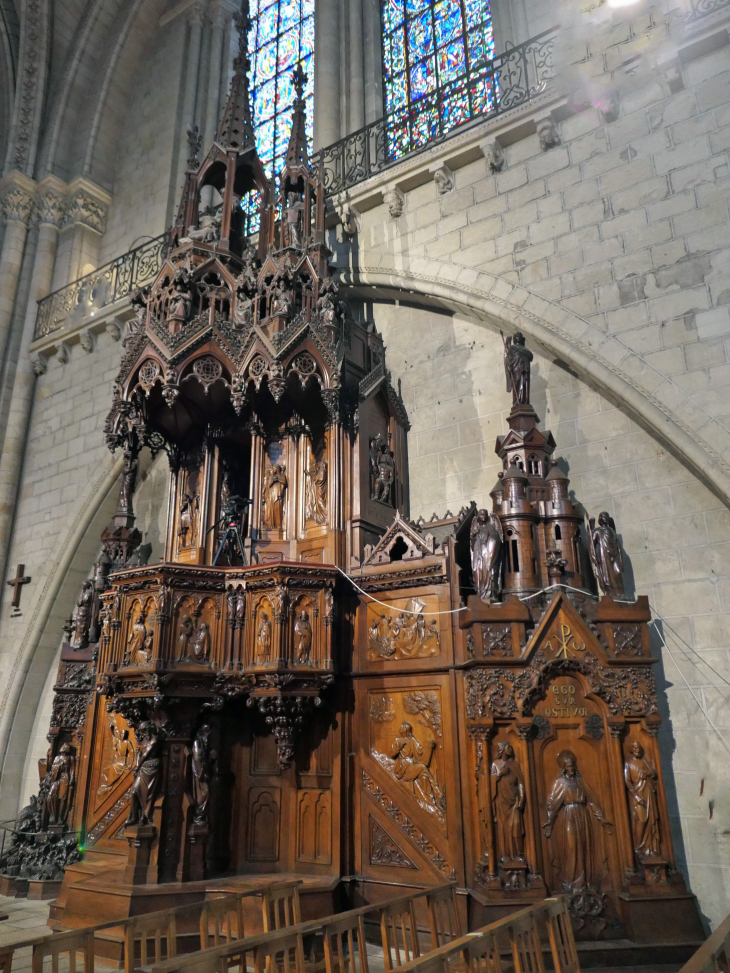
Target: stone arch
[
  {"x": 70, "y": 559},
  {"x": 598, "y": 358}
]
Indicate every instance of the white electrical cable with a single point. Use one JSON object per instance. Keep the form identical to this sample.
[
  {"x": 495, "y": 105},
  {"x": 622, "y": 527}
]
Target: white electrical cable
[{"x": 394, "y": 608}]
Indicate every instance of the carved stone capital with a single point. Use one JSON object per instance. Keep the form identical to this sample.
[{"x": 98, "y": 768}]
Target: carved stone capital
[
  {"x": 50, "y": 207},
  {"x": 84, "y": 209},
  {"x": 443, "y": 178},
  {"x": 17, "y": 204}
]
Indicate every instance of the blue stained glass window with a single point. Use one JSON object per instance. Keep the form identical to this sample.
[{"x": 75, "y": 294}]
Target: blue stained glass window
[
  {"x": 281, "y": 35},
  {"x": 437, "y": 67}
]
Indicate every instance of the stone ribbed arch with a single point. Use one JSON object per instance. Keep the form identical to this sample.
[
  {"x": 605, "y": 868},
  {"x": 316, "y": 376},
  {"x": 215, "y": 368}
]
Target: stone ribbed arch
[
  {"x": 648, "y": 396},
  {"x": 22, "y": 682}
]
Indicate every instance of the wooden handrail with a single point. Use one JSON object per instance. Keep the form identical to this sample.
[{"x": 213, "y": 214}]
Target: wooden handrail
[{"x": 713, "y": 956}]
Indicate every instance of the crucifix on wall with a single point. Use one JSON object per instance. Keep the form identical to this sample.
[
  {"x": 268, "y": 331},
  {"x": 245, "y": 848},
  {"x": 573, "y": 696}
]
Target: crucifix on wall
[{"x": 17, "y": 583}]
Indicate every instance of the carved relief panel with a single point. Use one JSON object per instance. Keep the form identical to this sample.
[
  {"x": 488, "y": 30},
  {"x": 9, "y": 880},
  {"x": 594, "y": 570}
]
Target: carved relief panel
[{"x": 400, "y": 631}]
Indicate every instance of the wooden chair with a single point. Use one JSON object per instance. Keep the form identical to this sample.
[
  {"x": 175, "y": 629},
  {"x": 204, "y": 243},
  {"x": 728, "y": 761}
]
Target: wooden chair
[
  {"x": 283, "y": 953},
  {"x": 66, "y": 944},
  {"x": 345, "y": 948},
  {"x": 481, "y": 954},
  {"x": 281, "y": 906},
  {"x": 221, "y": 920},
  {"x": 443, "y": 915},
  {"x": 399, "y": 933},
  {"x": 160, "y": 928},
  {"x": 560, "y": 935}
]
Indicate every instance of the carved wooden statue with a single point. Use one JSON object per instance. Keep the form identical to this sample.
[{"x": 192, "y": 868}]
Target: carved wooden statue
[
  {"x": 606, "y": 555},
  {"x": 273, "y": 496},
  {"x": 303, "y": 637},
  {"x": 83, "y": 616},
  {"x": 509, "y": 804},
  {"x": 62, "y": 777},
  {"x": 201, "y": 643},
  {"x": 263, "y": 639},
  {"x": 412, "y": 763},
  {"x": 147, "y": 774},
  {"x": 569, "y": 808},
  {"x": 136, "y": 642},
  {"x": 201, "y": 765},
  {"x": 517, "y": 361},
  {"x": 315, "y": 503},
  {"x": 641, "y": 782},
  {"x": 487, "y": 538}
]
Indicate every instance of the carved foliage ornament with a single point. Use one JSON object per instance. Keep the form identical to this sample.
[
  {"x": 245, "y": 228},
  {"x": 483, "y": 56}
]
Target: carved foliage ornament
[{"x": 384, "y": 851}]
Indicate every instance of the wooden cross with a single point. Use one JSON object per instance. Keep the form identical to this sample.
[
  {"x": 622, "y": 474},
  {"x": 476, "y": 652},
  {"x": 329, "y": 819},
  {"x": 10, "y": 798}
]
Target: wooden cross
[{"x": 17, "y": 583}]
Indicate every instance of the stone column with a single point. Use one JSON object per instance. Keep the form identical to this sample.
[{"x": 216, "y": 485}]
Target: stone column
[
  {"x": 17, "y": 208},
  {"x": 326, "y": 73},
  {"x": 356, "y": 106},
  {"x": 372, "y": 27},
  {"x": 50, "y": 205},
  {"x": 191, "y": 68}
]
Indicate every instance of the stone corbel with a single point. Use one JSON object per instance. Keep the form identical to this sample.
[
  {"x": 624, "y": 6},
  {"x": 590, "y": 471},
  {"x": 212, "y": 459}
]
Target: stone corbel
[
  {"x": 114, "y": 330},
  {"x": 39, "y": 363},
  {"x": 443, "y": 177},
  {"x": 86, "y": 340},
  {"x": 547, "y": 131},
  {"x": 394, "y": 200},
  {"x": 349, "y": 217},
  {"x": 63, "y": 354},
  {"x": 494, "y": 154}
]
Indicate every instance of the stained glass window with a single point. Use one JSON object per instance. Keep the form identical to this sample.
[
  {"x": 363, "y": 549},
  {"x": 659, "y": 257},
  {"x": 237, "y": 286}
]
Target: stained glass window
[
  {"x": 281, "y": 35},
  {"x": 436, "y": 56}
]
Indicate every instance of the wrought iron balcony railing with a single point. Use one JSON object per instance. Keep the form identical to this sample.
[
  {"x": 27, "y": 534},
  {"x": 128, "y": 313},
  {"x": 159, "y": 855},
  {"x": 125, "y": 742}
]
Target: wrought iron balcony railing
[
  {"x": 110, "y": 283},
  {"x": 510, "y": 80},
  {"x": 703, "y": 8}
]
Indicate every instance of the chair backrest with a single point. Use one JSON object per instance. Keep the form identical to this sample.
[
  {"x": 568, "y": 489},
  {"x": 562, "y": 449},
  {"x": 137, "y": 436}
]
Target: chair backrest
[
  {"x": 221, "y": 920},
  {"x": 345, "y": 948},
  {"x": 281, "y": 906},
  {"x": 560, "y": 935},
  {"x": 279, "y": 954},
  {"x": 399, "y": 933},
  {"x": 156, "y": 928},
  {"x": 74, "y": 945},
  {"x": 481, "y": 954},
  {"x": 524, "y": 942},
  {"x": 443, "y": 915}
]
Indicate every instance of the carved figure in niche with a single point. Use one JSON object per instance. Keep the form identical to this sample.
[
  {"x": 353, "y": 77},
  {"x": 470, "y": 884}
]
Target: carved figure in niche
[
  {"x": 568, "y": 810},
  {"x": 240, "y": 604},
  {"x": 60, "y": 792},
  {"x": 201, "y": 764},
  {"x": 183, "y": 639},
  {"x": 136, "y": 654},
  {"x": 385, "y": 475},
  {"x": 509, "y": 804},
  {"x": 373, "y": 454},
  {"x": 83, "y": 615},
  {"x": 410, "y": 767},
  {"x": 315, "y": 495},
  {"x": 147, "y": 774},
  {"x": 605, "y": 553},
  {"x": 129, "y": 478},
  {"x": 303, "y": 637},
  {"x": 407, "y": 636},
  {"x": 487, "y": 538},
  {"x": 263, "y": 639},
  {"x": 181, "y": 303},
  {"x": 274, "y": 490},
  {"x": 641, "y": 782},
  {"x": 230, "y": 603},
  {"x": 122, "y": 758},
  {"x": 295, "y": 220},
  {"x": 517, "y": 359},
  {"x": 201, "y": 643},
  {"x": 187, "y": 531}
]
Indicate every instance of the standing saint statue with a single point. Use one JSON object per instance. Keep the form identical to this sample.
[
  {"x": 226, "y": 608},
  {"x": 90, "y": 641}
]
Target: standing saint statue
[
  {"x": 60, "y": 792},
  {"x": 517, "y": 359},
  {"x": 508, "y": 804},
  {"x": 487, "y": 538},
  {"x": 605, "y": 553},
  {"x": 385, "y": 479},
  {"x": 187, "y": 531},
  {"x": 136, "y": 654},
  {"x": 147, "y": 774},
  {"x": 315, "y": 499},
  {"x": 302, "y": 637},
  {"x": 201, "y": 767},
  {"x": 183, "y": 639},
  {"x": 567, "y": 810},
  {"x": 263, "y": 639},
  {"x": 129, "y": 479},
  {"x": 201, "y": 643},
  {"x": 274, "y": 490},
  {"x": 641, "y": 782},
  {"x": 83, "y": 615}
]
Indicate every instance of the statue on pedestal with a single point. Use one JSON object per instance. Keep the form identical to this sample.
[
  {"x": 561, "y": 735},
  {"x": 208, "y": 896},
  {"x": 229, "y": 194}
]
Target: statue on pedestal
[
  {"x": 201, "y": 765},
  {"x": 263, "y": 639},
  {"x": 274, "y": 490},
  {"x": 641, "y": 781},
  {"x": 487, "y": 538},
  {"x": 508, "y": 804},
  {"x": 59, "y": 797},
  {"x": 83, "y": 615},
  {"x": 605, "y": 554},
  {"x": 147, "y": 774},
  {"x": 517, "y": 360},
  {"x": 303, "y": 637}
]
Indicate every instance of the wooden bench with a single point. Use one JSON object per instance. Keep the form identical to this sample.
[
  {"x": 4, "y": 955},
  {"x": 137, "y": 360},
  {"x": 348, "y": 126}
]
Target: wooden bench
[{"x": 713, "y": 956}]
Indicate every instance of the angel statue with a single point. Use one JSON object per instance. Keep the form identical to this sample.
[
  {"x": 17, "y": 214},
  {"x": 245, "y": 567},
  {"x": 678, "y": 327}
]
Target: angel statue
[
  {"x": 517, "y": 359},
  {"x": 486, "y": 539},
  {"x": 605, "y": 553}
]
